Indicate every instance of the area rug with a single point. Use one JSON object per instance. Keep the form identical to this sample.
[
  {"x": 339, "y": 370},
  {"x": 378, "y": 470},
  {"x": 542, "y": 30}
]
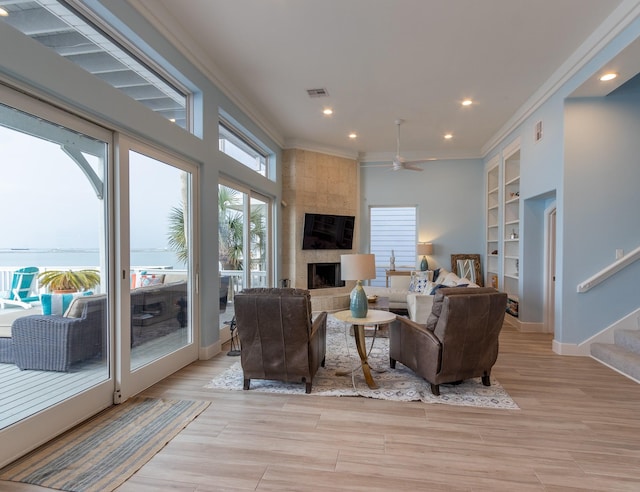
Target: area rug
[
  {"x": 399, "y": 384},
  {"x": 102, "y": 453}
]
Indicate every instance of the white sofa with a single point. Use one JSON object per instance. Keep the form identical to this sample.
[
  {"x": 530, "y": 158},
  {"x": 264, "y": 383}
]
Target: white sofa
[
  {"x": 402, "y": 295},
  {"x": 396, "y": 292},
  {"x": 419, "y": 303}
]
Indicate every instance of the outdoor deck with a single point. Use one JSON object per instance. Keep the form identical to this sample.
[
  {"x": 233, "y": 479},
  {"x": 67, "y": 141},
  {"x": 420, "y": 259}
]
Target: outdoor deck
[{"x": 24, "y": 393}]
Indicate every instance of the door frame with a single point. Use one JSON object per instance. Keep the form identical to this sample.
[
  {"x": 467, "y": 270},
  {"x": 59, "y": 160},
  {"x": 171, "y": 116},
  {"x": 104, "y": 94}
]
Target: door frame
[
  {"x": 129, "y": 383},
  {"x": 550, "y": 234},
  {"x": 35, "y": 430}
]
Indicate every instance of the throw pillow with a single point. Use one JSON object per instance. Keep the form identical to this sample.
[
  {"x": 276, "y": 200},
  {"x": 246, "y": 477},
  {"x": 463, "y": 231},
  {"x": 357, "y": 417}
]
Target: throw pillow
[
  {"x": 436, "y": 310},
  {"x": 442, "y": 274},
  {"x": 451, "y": 280},
  {"x": 59, "y": 303},
  {"x": 412, "y": 283},
  {"x": 76, "y": 307},
  {"x": 436, "y": 288},
  {"x": 145, "y": 279},
  {"x": 418, "y": 282}
]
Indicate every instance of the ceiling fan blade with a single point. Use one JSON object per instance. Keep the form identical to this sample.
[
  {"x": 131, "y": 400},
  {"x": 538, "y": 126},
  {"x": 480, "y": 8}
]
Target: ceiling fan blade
[
  {"x": 419, "y": 161},
  {"x": 411, "y": 166}
]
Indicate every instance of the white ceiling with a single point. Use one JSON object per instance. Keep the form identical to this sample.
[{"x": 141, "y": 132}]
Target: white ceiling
[{"x": 381, "y": 60}]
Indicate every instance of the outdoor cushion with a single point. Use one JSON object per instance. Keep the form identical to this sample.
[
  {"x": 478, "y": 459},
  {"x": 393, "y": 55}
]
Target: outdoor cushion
[
  {"x": 59, "y": 303},
  {"x": 77, "y": 305}
]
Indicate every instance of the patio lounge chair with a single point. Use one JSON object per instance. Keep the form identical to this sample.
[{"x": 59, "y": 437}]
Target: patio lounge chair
[{"x": 21, "y": 285}]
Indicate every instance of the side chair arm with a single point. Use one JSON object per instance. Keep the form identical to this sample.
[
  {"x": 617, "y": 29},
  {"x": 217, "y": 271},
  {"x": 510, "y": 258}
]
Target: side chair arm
[{"x": 421, "y": 331}]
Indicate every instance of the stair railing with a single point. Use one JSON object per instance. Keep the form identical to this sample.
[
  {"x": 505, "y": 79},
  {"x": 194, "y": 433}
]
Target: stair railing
[{"x": 610, "y": 270}]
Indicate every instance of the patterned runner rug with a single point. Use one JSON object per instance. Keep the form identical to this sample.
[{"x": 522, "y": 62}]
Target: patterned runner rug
[
  {"x": 400, "y": 384},
  {"x": 100, "y": 454}
]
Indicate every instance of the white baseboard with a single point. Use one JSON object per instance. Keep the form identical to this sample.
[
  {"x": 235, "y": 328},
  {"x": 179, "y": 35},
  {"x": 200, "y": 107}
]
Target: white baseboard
[
  {"x": 629, "y": 322},
  {"x": 568, "y": 349},
  {"x": 206, "y": 353},
  {"x": 524, "y": 326}
]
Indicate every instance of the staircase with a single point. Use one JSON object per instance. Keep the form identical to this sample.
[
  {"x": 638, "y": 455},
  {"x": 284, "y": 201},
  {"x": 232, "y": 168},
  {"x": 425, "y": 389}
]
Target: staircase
[{"x": 623, "y": 355}]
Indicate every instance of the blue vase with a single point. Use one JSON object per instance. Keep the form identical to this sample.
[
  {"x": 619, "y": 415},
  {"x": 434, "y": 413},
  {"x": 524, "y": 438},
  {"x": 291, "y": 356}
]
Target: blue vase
[{"x": 359, "y": 304}]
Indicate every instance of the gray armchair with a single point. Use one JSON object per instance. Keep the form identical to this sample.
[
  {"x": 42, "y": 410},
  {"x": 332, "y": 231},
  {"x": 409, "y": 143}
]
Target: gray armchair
[
  {"x": 54, "y": 342},
  {"x": 278, "y": 340},
  {"x": 459, "y": 341}
]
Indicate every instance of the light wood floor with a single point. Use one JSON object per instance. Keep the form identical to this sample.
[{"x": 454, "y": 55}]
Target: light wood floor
[{"x": 578, "y": 428}]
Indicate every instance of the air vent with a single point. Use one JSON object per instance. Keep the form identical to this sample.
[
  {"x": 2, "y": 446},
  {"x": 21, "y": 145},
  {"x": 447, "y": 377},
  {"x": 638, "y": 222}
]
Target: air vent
[{"x": 317, "y": 92}]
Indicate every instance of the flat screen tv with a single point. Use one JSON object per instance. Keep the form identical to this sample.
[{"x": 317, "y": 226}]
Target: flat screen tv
[{"x": 322, "y": 231}]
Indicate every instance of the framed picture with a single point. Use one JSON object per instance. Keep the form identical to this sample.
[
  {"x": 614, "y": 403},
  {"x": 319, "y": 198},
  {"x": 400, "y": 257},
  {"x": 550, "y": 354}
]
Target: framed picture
[{"x": 467, "y": 266}]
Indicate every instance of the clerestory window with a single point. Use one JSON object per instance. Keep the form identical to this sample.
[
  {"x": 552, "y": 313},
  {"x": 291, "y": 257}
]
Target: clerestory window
[
  {"x": 242, "y": 147},
  {"x": 88, "y": 44}
]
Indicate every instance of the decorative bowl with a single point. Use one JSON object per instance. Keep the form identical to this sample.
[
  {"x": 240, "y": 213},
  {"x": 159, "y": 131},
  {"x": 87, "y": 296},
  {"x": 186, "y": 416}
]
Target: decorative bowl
[{"x": 373, "y": 298}]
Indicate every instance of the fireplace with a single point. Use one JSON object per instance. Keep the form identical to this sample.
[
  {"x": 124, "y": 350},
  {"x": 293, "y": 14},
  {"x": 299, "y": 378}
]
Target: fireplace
[{"x": 323, "y": 275}]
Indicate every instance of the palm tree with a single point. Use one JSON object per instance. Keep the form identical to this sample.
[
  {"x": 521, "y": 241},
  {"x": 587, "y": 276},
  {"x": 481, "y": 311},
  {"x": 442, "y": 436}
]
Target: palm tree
[
  {"x": 177, "y": 236},
  {"x": 230, "y": 230}
]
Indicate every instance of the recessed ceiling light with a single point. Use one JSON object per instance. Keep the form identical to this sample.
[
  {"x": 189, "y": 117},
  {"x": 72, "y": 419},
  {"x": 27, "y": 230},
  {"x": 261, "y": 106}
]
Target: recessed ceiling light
[
  {"x": 3, "y": 12},
  {"x": 353, "y": 135},
  {"x": 448, "y": 136},
  {"x": 467, "y": 102},
  {"x": 327, "y": 111},
  {"x": 608, "y": 76}
]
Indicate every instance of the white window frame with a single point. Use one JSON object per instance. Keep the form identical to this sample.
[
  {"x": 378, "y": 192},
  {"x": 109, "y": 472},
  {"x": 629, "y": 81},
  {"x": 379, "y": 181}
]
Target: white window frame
[
  {"x": 242, "y": 147},
  {"x": 393, "y": 228}
]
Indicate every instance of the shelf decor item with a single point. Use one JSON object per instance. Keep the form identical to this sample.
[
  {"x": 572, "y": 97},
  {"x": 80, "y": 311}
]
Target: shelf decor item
[
  {"x": 392, "y": 261},
  {"x": 358, "y": 267},
  {"x": 423, "y": 250}
]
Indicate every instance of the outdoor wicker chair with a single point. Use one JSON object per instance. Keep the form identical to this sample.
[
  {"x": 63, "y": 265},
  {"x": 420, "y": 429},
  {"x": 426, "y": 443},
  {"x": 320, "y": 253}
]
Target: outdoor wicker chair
[{"x": 54, "y": 342}]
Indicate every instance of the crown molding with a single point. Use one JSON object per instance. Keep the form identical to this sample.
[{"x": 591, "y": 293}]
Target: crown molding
[
  {"x": 176, "y": 35},
  {"x": 446, "y": 155},
  {"x": 321, "y": 149}
]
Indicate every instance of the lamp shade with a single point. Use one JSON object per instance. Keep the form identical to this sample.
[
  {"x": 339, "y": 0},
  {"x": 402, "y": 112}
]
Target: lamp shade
[
  {"x": 425, "y": 249},
  {"x": 358, "y": 266}
]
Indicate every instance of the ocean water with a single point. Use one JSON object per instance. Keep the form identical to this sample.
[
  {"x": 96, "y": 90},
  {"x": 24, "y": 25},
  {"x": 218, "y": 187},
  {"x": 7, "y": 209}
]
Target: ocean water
[{"x": 11, "y": 258}]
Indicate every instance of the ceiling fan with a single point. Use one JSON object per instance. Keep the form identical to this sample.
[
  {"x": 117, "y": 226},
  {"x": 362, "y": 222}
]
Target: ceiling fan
[{"x": 400, "y": 163}]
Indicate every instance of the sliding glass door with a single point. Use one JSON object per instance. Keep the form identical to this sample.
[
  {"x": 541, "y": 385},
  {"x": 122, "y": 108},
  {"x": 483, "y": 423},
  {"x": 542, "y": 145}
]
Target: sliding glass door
[
  {"x": 123, "y": 235},
  {"x": 244, "y": 237},
  {"x": 56, "y": 364},
  {"x": 158, "y": 297}
]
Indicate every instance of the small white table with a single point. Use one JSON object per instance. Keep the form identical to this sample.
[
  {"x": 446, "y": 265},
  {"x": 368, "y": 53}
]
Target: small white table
[{"x": 374, "y": 317}]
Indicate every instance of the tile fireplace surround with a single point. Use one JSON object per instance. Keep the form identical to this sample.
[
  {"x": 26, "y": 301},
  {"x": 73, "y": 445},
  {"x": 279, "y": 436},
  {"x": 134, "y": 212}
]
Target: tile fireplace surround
[{"x": 316, "y": 183}]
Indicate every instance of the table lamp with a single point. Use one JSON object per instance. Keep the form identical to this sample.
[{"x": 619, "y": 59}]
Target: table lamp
[
  {"x": 358, "y": 267},
  {"x": 424, "y": 249}
]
